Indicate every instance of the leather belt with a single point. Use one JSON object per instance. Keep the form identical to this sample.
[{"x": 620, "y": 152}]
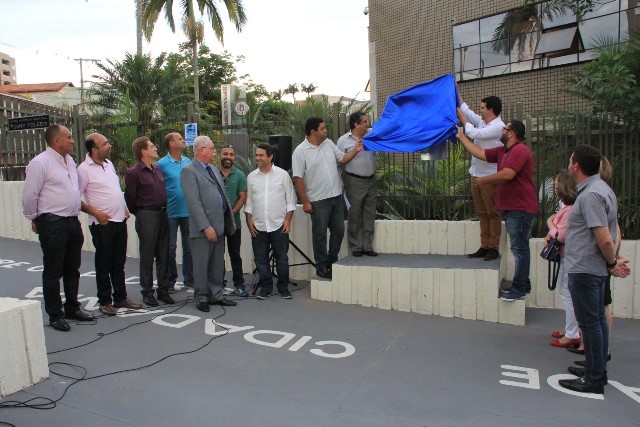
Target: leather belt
[
  {"x": 358, "y": 176},
  {"x": 155, "y": 209},
  {"x": 49, "y": 217}
]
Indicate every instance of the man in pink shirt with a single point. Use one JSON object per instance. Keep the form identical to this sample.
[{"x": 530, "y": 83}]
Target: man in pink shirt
[
  {"x": 104, "y": 202},
  {"x": 51, "y": 200}
]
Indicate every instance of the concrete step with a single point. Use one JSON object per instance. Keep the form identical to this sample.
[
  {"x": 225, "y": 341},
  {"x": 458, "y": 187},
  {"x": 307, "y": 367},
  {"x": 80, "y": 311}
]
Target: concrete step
[{"x": 441, "y": 285}]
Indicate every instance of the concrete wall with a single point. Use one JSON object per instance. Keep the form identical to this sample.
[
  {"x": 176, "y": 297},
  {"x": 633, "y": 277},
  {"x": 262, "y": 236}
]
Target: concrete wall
[
  {"x": 406, "y": 237},
  {"x": 22, "y": 347}
]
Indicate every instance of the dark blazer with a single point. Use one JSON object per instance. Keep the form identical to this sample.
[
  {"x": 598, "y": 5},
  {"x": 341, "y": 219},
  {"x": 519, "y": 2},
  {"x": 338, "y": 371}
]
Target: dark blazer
[{"x": 203, "y": 199}]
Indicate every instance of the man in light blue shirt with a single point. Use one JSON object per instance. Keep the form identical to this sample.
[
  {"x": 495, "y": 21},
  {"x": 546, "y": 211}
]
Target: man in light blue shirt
[{"x": 178, "y": 213}]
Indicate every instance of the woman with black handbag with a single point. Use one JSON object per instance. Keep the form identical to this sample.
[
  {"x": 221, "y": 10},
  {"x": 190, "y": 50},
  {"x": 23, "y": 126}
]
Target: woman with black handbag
[{"x": 565, "y": 189}]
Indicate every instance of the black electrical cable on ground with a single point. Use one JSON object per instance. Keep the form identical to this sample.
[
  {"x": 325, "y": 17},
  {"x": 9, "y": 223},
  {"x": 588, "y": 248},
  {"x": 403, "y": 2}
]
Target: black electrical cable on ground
[
  {"x": 102, "y": 335},
  {"x": 39, "y": 402}
]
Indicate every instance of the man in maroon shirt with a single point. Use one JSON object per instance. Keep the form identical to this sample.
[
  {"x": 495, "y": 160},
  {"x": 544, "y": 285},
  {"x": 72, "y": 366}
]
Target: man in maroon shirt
[
  {"x": 515, "y": 197},
  {"x": 146, "y": 198}
]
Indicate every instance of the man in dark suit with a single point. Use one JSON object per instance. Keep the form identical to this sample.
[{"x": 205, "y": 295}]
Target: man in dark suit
[{"x": 210, "y": 218}]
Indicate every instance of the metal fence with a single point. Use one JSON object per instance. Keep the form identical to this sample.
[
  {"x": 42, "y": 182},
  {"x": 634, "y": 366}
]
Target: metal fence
[
  {"x": 408, "y": 186},
  {"x": 19, "y": 147}
]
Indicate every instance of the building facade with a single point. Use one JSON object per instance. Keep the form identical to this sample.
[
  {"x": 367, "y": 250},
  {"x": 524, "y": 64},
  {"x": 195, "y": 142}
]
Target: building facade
[
  {"x": 523, "y": 54},
  {"x": 59, "y": 95},
  {"x": 7, "y": 70}
]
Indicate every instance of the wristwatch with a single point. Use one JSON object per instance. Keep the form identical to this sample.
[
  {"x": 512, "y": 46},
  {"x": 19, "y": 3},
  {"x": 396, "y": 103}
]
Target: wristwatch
[{"x": 613, "y": 264}]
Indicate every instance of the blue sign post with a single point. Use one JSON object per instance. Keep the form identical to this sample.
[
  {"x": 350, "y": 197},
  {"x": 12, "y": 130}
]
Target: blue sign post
[{"x": 190, "y": 133}]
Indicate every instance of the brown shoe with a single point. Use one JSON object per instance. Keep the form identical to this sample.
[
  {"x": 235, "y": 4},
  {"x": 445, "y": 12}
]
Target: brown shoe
[
  {"x": 108, "y": 309},
  {"x": 127, "y": 303}
]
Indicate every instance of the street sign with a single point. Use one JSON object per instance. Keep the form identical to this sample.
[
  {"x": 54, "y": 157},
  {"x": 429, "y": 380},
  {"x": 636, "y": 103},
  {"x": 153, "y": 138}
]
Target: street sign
[
  {"x": 190, "y": 133},
  {"x": 28, "y": 123},
  {"x": 242, "y": 108}
]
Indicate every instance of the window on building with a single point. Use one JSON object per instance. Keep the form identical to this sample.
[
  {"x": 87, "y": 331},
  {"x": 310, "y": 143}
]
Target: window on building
[
  {"x": 538, "y": 36},
  {"x": 559, "y": 42}
]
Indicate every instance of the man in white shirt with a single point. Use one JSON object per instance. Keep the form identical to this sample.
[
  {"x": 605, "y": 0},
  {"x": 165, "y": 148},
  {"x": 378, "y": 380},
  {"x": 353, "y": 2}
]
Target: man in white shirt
[
  {"x": 485, "y": 130},
  {"x": 315, "y": 174},
  {"x": 271, "y": 201},
  {"x": 104, "y": 202}
]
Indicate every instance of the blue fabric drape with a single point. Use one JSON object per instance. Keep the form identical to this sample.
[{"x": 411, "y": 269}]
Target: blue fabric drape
[{"x": 417, "y": 118}]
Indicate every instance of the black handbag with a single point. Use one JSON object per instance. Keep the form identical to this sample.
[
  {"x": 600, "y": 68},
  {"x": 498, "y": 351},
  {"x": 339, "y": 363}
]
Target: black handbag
[{"x": 551, "y": 253}]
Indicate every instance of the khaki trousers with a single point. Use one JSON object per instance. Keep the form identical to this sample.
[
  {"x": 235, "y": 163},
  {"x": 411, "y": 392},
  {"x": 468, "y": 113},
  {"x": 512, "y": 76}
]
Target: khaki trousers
[{"x": 490, "y": 219}]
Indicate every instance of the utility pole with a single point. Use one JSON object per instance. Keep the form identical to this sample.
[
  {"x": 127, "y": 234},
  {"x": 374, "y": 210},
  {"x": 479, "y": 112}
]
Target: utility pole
[{"x": 83, "y": 103}]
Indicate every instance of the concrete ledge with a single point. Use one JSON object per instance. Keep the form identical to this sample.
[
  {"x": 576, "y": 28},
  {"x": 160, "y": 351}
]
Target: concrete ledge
[
  {"x": 420, "y": 284},
  {"x": 400, "y": 237},
  {"x": 22, "y": 346}
]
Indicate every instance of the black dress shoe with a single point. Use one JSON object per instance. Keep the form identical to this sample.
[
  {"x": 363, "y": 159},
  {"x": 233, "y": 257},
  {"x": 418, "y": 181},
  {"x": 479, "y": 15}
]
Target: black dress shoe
[
  {"x": 583, "y": 386},
  {"x": 579, "y": 372},
  {"x": 491, "y": 254},
  {"x": 165, "y": 298},
  {"x": 480, "y": 253},
  {"x": 60, "y": 325},
  {"x": 370, "y": 253},
  {"x": 150, "y": 300},
  {"x": 225, "y": 302},
  {"x": 79, "y": 315},
  {"x": 357, "y": 254},
  {"x": 324, "y": 273},
  {"x": 203, "y": 306},
  {"x": 584, "y": 362},
  {"x": 575, "y": 350}
]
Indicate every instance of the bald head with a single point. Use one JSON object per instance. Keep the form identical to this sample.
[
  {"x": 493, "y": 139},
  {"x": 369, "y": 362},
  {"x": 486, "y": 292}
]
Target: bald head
[
  {"x": 59, "y": 138},
  {"x": 174, "y": 142},
  {"x": 98, "y": 147}
]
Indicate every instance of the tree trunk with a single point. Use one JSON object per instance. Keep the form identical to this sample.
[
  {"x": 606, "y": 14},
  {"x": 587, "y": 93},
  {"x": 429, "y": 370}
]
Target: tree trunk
[
  {"x": 196, "y": 85},
  {"x": 138, "y": 27}
]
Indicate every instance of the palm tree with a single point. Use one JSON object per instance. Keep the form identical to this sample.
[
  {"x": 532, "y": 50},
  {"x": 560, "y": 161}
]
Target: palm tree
[
  {"x": 193, "y": 29},
  {"x": 523, "y": 26},
  {"x": 292, "y": 89},
  {"x": 139, "y": 7},
  {"x": 138, "y": 81},
  {"x": 308, "y": 89},
  {"x": 277, "y": 95}
]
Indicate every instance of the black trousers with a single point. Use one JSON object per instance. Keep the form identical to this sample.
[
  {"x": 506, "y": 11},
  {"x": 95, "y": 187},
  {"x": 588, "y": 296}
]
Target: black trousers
[
  {"x": 153, "y": 233},
  {"x": 61, "y": 242},
  {"x": 233, "y": 246},
  {"x": 110, "y": 241}
]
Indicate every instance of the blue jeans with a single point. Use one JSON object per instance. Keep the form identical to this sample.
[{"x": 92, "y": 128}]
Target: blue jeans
[
  {"x": 587, "y": 294},
  {"x": 519, "y": 225},
  {"x": 187, "y": 263},
  {"x": 279, "y": 243},
  {"x": 327, "y": 213}
]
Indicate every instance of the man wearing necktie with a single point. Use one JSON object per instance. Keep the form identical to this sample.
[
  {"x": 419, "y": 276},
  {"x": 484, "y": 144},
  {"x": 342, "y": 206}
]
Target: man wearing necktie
[{"x": 210, "y": 218}]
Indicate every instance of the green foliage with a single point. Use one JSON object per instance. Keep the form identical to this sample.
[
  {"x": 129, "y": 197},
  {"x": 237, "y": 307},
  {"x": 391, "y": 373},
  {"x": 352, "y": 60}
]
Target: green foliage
[
  {"x": 214, "y": 70},
  {"x": 119, "y": 126},
  {"x": 308, "y": 89},
  {"x": 292, "y": 89},
  {"x": 612, "y": 81},
  {"x": 433, "y": 189},
  {"x": 141, "y": 83},
  {"x": 153, "y": 8}
]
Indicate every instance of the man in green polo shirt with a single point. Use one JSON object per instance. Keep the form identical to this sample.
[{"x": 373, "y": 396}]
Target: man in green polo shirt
[{"x": 235, "y": 184}]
